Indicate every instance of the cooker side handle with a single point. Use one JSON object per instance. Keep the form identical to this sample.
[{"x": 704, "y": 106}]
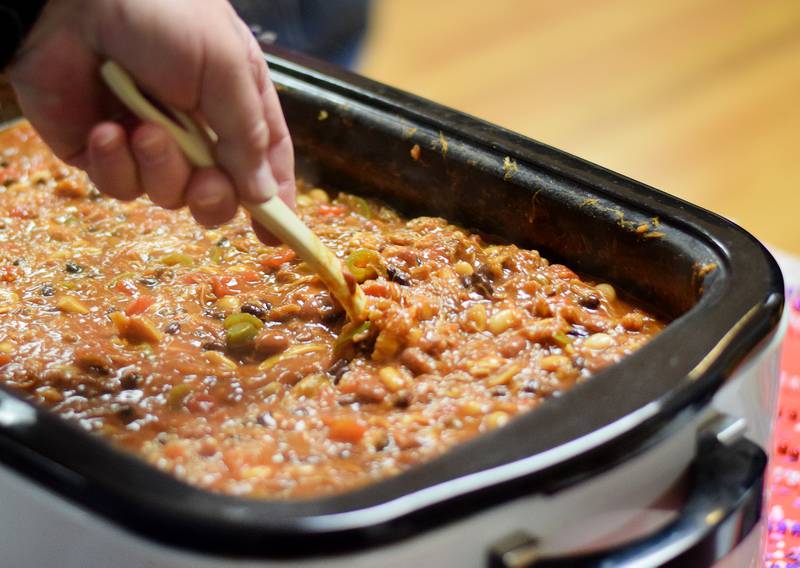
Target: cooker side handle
[{"x": 722, "y": 507}]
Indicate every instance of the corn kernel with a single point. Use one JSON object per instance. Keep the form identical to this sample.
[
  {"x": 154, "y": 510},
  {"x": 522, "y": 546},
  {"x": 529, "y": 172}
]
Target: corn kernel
[
  {"x": 71, "y": 305},
  {"x": 484, "y": 367},
  {"x": 598, "y": 341},
  {"x": 463, "y": 268},
  {"x": 8, "y": 300},
  {"x": 476, "y": 318},
  {"x": 139, "y": 329},
  {"x": 504, "y": 376},
  {"x": 470, "y": 408},
  {"x": 502, "y": 320},
  {"x": 228, "y": 304},
  {"x": 392, "y": 379},
  {"x": 554, "y": 362},
  {"x": 608, "y": 291},
  {"x": 497, "y": 420},
  {"x": 310, "y": 385},
  {"x": 319, "y": 195}
]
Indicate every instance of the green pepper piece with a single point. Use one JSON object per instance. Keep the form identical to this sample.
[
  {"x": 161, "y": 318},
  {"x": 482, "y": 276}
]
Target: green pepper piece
[
  {"x": 347, "y": 338},
  {"x": 242, "y": 317},
  {"x": 178, "y": 394},
  {"x": 561, "y": 338},
  {"x": 361, "y": 206},
  {"x": 240, "y": 335},
  {"x": 177, "y": 258},
  {"x": 364, "y": 264}
]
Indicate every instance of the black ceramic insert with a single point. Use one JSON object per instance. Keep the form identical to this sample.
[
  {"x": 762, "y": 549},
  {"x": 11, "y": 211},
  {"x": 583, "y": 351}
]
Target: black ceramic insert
[{"x": 722, "y": 288}]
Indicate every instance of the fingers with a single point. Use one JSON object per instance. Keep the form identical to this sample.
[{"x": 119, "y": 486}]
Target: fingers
[
  {"x": 280, "y": 153},
  {"x": 163, "y": 170},
  {"x": 59, "y": 93},
  {"x": 211, "y": 197},
  {"x": 111, "y": 164},
  {"x": 232, "y": 105},
  {"x": 208, "y": 64},
  {"x": 281, "y": 150}
]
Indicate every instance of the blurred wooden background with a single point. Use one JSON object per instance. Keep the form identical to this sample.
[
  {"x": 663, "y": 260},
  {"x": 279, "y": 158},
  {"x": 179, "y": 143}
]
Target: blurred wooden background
[{"x": 700, "y": 98}]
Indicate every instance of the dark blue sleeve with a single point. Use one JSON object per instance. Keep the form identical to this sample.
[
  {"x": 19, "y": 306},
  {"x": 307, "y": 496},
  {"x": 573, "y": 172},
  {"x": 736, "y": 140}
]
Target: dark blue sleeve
[
  {"x": 16, "y": 20},
  {"x": 328, "y": 30}
]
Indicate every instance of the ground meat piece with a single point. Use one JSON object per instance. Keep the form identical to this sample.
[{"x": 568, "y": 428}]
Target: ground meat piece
[{"x": 417, "y": 361}]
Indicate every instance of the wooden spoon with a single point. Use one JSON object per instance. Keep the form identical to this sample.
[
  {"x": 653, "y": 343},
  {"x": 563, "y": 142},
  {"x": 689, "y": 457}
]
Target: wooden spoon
[{"x": 197, "y": 141}]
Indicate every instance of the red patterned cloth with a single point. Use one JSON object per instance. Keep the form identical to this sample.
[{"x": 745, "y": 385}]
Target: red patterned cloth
[{"x": 783, "y": 506}]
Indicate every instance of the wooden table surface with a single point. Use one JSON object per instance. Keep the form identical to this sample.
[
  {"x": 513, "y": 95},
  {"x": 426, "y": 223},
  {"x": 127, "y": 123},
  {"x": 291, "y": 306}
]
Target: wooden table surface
[{"x": 700, "y": 98}]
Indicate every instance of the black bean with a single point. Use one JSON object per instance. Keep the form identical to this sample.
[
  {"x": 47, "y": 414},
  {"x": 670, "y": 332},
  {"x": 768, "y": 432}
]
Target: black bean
[
  {"x": 402, "y": 399},
  {"x": 148, "y": 282},
  {"x": 398, "y": 276},
  {"x": 338, "y": 369},
  {"x": 172, "y": 328},
  {"x": 130, "y": 380},
  {"x": 213, "y": 346},
  {"x": 331, "y": 314},
  {"x": 480, "y": 282},
  {"x": 259, "y": 311},
  {"x": 499, "y": 391},
  {"x": 223, "y": 242},
  {"x": 483, "y": 283},
  {"x": 47, "y": 290},
  {"x": 590, "y": 301},
  {"x": 126, "y": 413},
  {"x": 73, "y": 268},
  {"x": 578, "y": 332},
  {"x": 99, "y": 370}
]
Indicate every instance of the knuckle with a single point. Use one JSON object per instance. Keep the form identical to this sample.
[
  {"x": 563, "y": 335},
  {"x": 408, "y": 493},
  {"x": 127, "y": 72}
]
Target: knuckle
[{"x": 257, "y": 137}]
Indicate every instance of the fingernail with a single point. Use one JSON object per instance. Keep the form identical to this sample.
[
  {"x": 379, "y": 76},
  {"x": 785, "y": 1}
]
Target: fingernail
[
  {"x": 209, "y": 201},
  {"x": 150, "y": 149},
  {"x": 106, "y": 139},
  {"x": 263, "y": 185}
]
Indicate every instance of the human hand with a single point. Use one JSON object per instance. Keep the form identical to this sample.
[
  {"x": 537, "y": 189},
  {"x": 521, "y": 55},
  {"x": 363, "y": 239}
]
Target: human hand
[{"x": 202, "y": 61}]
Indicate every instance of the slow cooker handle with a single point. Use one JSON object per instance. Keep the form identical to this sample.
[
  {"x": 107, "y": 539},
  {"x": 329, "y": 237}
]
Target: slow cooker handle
[{"x": 723, "y": 505}]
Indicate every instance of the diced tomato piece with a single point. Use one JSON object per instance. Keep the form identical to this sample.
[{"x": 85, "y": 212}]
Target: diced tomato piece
[
  {"x": 139, "y": 305},
  {"x": 376, "y": 288},
  {"x": 4, "y": 358},
  {"x": 126, "y": 287},
  {"x": 274, "y": 260},
  {"x": 9, "y": 174},
  {"x": 192, "y": 278},
  {"x": 332, "y": 210},
  {"x": 23, "y": 213},
  {"x": 249, "y": 276},
  {"x": 174, "y": 450},
  {"x": 345, "y": 429},
  {"x": 8, "y": 273},
  {"x": 562, "y": 272},
  {"x": 236, "y": 459},
  {"x": 225, "y": 286}
]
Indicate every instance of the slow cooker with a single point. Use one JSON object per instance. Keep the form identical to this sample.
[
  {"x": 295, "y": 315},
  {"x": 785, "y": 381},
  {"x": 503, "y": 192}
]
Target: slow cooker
[{"x": 656, "y": 461}]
